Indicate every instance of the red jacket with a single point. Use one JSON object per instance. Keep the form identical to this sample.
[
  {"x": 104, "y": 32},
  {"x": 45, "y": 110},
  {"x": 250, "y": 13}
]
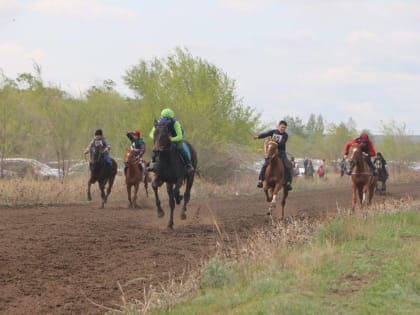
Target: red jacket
[{"x": 369, "y": 149}]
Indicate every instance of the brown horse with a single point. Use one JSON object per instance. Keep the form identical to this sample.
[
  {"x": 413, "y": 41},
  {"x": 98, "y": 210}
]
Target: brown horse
[
  {"x": 363, "y": 180},
  {"x": 274, "y": 177},
  {"x": 134, "y": 174},
  {"x": 382, "y": 177}
]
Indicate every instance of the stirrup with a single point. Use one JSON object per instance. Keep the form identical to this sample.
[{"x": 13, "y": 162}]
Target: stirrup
[
  {"x": 189, "y": 168},
  {"x": 260, "y": 184}
]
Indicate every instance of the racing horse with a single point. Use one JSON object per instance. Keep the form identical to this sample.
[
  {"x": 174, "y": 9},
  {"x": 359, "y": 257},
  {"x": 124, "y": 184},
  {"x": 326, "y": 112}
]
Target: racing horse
[
  {"x": 274, "y": 177},
  {"x": 170, "y": 169},
  {"x": 101, "y": 172},
  {"x": 134, "y": 174},
  {"x": 364, "y": 182},
  {"x": 382, "y": 177}
]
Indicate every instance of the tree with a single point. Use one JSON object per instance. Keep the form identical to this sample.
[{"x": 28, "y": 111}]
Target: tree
[{"x": 203, "y": 98}]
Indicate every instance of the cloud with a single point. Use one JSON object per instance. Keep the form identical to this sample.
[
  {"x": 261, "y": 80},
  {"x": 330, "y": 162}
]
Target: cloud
[
  {"x": 84, "y": 9},
  {"x": 9, "y": 8},
  {"x": 245, "y": 7},
  {"x": 8, "y": 49},
  {"x": 37, "y": 55}
]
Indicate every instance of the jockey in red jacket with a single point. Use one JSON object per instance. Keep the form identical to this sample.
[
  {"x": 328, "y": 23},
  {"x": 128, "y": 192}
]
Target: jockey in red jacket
[{"x": 367, "y": 149}]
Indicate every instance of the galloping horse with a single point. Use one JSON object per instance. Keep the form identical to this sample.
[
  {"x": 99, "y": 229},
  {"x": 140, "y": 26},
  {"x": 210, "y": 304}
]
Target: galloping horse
[
  {"x": 100, "y": 172},
  {"x": 170, "y": 170},
  {"x": 133, "y": 176},
  {"x": 382, "y": 177},
  {"x": 362, "y": 178},
  {"x": 274, "y": 177}
]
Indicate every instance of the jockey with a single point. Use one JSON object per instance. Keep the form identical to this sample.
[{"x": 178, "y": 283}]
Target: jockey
[
  {"x": 177, "y": 135},
  {"x": 368, "y": 151},
  {"x": 383, "y": 162},
  {"x": 105, "y": 147},
  {"x": 137, "y": 146},
  {"x": 280, "y": 136}
]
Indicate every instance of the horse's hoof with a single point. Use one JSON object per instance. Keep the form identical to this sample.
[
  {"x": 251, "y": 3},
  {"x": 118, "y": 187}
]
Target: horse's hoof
[
  {"x": 183, "y": 216},
  {"x": 161, "y": 214},
  {"x": 170, "y": 226}
]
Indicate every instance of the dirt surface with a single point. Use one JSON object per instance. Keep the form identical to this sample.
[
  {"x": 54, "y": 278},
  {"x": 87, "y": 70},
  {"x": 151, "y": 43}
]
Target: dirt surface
[{"x": 54, "y": 259}]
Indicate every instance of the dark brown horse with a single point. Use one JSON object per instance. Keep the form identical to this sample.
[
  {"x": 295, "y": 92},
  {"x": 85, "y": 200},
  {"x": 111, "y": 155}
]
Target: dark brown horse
[
  {"x": 382, "y": 177},
  {"x": 170, "y": 169},
  {"x": 102, "y": 173},
  {"x": 134, "y": 174},
  {"x": 274, "y": 177},
  {"x": 363, "y": 181}
]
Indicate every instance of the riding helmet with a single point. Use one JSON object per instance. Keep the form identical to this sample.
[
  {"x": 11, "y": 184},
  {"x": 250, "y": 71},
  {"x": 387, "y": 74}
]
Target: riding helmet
[
  {"x": 167, "y": 113},
  {"x": 137, "y": 133},
  {"x": 98, "y": 132},
  {"x": 364, "y": 137}
]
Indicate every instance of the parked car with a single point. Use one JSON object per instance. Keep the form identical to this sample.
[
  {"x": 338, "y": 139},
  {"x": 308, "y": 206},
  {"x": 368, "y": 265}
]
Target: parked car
[{"x": 21, "y": 167}]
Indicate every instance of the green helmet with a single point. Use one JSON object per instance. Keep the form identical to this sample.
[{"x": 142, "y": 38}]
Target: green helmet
[{"x": 167, "y": 113}]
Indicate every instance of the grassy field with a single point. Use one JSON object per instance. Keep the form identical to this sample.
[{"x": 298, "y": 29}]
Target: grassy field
[{"x": 350, "y": 265}]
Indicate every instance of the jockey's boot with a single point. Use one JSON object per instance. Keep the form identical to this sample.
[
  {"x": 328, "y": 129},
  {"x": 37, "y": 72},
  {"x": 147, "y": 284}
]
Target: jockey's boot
[
  {"x": 262, "y": 174},
  {"x": 288, "y": 179},
  {"x": 188, "y": 165},
  {"x": 372, "y": 167},
  {"x": 350, "y": 170},
  {"x": 152, "y": 163}
]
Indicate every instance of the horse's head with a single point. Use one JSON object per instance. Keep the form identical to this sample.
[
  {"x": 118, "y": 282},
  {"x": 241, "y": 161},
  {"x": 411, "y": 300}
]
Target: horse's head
[
  {"x": 356, "y": 153},
  {"x": 97, "y": 154},
  {"x": 129, "y": 156},
  {"x": 378, "y": 164},
  {"x": 271, "y": 149},
  {"x": 161, "y": 136}
]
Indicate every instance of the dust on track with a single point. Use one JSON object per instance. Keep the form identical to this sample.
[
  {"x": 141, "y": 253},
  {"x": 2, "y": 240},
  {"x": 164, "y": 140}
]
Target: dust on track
[{"x": 53, "y": 259}]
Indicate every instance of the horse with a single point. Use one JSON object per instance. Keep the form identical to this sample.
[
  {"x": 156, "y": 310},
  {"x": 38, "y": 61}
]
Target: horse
[
  {"x": 170, "y": 169},
  {"x": 101, "y": 173},
  {"x": 274, "y": 177},
  {"x": 133, "y": 176},
  {"x": 382, "y": 177},
  {"x": 363, "y": 180}
]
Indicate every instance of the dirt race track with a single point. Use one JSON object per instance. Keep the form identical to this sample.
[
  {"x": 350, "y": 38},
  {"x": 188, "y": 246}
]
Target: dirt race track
[{"x": 53, "y": 259}]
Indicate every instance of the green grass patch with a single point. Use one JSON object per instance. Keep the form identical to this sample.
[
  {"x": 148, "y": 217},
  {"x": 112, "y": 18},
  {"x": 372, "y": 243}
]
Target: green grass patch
[{"x": 353, "y": 266}]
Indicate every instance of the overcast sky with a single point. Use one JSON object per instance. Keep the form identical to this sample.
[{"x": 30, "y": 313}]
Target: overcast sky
[{"x": 338, "y": 58}]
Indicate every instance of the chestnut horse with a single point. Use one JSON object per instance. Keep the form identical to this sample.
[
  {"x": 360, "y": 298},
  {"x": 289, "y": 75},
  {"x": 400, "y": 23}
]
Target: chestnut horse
[
  {"x": 274, "y": 177},
  {"x": 134, "y": 174},
  {"x": 103, "y": 174},
  {"x": 170, "y": 169},
  {"x": 363, "y": 180}
]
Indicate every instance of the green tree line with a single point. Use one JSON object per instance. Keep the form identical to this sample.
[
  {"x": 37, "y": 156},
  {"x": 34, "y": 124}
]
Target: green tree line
[{"x": 44, "y": 122}]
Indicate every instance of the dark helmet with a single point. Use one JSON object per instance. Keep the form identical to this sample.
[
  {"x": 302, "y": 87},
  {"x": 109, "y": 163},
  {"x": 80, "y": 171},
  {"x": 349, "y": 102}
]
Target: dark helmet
[
  {"x": 98, "y": 132},
  {"x": 282, "y": 122},
  {"x": 379, "y": 153}
]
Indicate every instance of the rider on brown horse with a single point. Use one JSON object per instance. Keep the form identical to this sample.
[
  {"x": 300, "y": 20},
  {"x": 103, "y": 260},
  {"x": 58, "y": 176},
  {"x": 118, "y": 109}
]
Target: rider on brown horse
[
  {"x": 137, "y": 146},
  {"x": 367, "y": 149},
  {"x": 280, "y": 136}
]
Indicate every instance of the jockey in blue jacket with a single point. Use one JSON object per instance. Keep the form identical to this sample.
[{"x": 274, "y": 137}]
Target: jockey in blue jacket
[
  {"x": 177, "y": 135},
  {"x": 280, "y": 136}
]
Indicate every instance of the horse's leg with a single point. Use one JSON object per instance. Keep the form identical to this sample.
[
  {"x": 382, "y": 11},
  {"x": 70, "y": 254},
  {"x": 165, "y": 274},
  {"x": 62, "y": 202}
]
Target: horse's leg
[
  {"x": 136, "y": 189},
  {"x": 362, "y": 195},
  {"x": 89, "y": 195},
  {"x": 283, "y": 201},
  {"x": 354, "y": 197},
  {"x": 187, "y": 195},
  {"x": 171, "y": 195},
  {"x": 130, "y": 203},
  {"x": 103, "y": 195},
  {"x": 110, "y": 184},
  {"x": 155, "y": 186}
]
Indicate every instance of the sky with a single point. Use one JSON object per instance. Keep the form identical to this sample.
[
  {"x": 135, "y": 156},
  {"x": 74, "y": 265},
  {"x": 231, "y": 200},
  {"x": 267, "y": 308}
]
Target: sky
[{"x": 335, "y": 58}]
